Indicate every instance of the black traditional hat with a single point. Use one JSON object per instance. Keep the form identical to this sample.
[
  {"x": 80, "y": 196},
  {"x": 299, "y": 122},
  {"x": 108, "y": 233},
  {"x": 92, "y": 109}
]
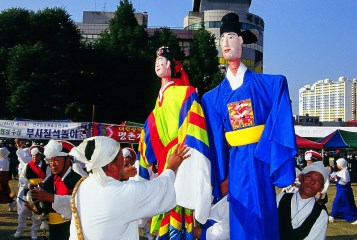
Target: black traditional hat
[{"x": 230, "y": 23}]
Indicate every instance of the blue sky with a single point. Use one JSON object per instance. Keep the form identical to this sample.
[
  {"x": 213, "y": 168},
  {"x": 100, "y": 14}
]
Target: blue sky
[{"x": 305, "y": 40}]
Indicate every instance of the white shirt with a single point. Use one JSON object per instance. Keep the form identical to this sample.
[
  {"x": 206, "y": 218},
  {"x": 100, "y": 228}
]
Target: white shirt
[
  {"x": 344, "y": 176},
  {"x": 111, "y": 212},
  {"x": 300, "y": 210},
  {"x": 220, "y": 214},
  {"x": 237, "y": 80},
  {"x": 4, "y": 165},
  {"x": 24, "y": 157}
]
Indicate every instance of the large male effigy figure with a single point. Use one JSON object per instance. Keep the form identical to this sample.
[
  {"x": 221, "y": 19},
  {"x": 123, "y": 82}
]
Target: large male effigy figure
[
  {"x": 249, "y": 121},
  {"x": 177, "y": 119}
]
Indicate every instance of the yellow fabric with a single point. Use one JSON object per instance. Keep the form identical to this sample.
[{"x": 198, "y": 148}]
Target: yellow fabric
[
  {"x": 244, "y": 136},
  {"x": 55, "y": 218},
  {"x": 35, "y": 181}
]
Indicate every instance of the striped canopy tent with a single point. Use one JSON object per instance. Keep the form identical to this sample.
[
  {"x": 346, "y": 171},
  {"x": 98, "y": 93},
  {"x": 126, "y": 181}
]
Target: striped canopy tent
[
  {"x": 306, "y": 143},
  {"x": 340, "y": 139}
]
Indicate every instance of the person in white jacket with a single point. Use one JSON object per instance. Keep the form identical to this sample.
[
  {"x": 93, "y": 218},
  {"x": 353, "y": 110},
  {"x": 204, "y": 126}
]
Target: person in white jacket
[
  {"x": 106, "y": 208},
  {"x": 24, "y": 157}
]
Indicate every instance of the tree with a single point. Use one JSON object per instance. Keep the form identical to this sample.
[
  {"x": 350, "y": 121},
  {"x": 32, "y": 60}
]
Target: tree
[
  {"x": 165, "y": 37},
  {"x": 203, "y": 66},
  {"x": 122, "y": 69},
  {"x": 45, "y": 69},
  {"x": 124, "y": 35},
  {"x": 15, "y": 27}
]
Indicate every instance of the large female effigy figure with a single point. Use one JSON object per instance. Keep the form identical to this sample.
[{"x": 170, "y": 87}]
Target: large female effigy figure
[
  {"x": 249, "y": 120},
  {"x": 177, "y": 119}
]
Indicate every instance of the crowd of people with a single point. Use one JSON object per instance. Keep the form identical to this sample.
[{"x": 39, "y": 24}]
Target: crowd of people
[
  {"x": 41, "y": 177},
  {"x": 205, "y": 168}
]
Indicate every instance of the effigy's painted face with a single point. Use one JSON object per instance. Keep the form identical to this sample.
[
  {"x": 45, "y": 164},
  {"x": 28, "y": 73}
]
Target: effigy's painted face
[
  {"x": 162, "y": 67},
  {"x": 231, "y": 45}
]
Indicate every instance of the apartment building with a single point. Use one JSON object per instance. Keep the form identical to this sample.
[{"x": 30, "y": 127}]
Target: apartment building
[{"x": 330, "y": 100}]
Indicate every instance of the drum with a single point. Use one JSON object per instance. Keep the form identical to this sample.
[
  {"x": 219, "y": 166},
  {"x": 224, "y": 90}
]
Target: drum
[{"x": 37, "y": 208}]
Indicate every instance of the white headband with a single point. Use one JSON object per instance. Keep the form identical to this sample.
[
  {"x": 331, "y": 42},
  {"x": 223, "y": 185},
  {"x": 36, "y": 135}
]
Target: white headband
[{"x": 105, "y": 151}]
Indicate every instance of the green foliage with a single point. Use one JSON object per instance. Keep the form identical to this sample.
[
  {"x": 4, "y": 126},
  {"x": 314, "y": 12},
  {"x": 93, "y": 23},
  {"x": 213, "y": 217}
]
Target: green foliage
[
  {"x": 203, "y": 66},
  {"x": 55, "y": 29},
  {"x": 124, "y": 35},
  {"x": 41, "y": 72},
  {"x": 119, "y": 76},
  {"x": 165, "y": 37},
  {"x": 15, "y": 27}
]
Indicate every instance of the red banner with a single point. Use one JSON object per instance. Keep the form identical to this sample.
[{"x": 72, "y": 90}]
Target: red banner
[{"x": 123, "y": 134}]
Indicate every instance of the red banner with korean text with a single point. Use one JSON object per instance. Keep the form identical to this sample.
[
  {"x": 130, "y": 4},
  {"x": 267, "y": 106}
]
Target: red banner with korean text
[{"x": 123, "y": 134}]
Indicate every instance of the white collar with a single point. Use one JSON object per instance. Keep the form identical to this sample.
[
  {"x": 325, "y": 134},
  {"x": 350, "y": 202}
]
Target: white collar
[
  {"x": 237, "y": 80},
  {"x": 161, "y": 92},
  {"x": 67, "y": 172}
]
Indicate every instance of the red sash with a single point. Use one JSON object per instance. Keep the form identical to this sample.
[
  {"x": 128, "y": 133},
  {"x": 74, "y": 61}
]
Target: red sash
[
  {"x": 60, "y": 187},
  {"x": 37, "y": 170}
]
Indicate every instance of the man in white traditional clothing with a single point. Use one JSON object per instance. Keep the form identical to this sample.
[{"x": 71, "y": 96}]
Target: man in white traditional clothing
[
  {"x": 24, "y": 157},
  {"x": 300, "y": 214},
  {"x": 34, "y": 172},
  {"x": 57, "y": 189},
  {"x": 104, "y": 207}
]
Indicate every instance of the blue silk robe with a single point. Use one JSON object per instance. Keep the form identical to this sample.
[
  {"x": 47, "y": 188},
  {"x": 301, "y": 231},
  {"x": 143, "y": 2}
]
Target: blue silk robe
[{"x": 253, "y": 169}]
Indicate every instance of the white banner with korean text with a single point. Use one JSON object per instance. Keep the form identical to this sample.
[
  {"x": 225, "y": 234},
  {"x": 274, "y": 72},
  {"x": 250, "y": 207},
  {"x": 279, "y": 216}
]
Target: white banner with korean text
[{"x": 45, "y": 130}]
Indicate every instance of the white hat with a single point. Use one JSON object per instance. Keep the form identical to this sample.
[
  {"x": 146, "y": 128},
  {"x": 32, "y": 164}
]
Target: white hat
[
  {"x": 312, "y": 156},
  {"x": 4, "y": 152},
  {"x": 35, "y": 149},
  {"x": 317, "y": 167},
  {"x": 57, "y": 148},
  {"x": 129, "y": 152},
  {"x": 126, "y": 152},
  {"x": 342, "y": 162}
]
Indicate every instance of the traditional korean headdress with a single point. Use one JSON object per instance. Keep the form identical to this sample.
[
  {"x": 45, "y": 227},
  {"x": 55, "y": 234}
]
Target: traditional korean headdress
[
  {"x": 177, "y": 72},
  {"x": 230, "y": 23},
  {"x": 58, "y": 148},
  {"x": 312, "y": 156}
]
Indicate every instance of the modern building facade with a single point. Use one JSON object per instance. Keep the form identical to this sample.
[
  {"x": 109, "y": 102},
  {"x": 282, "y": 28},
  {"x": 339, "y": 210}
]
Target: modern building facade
[
  {"x": 208, "y": 14},
  {"x": 95, "y": 22},
  {"x": 330, "y": 100}
]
